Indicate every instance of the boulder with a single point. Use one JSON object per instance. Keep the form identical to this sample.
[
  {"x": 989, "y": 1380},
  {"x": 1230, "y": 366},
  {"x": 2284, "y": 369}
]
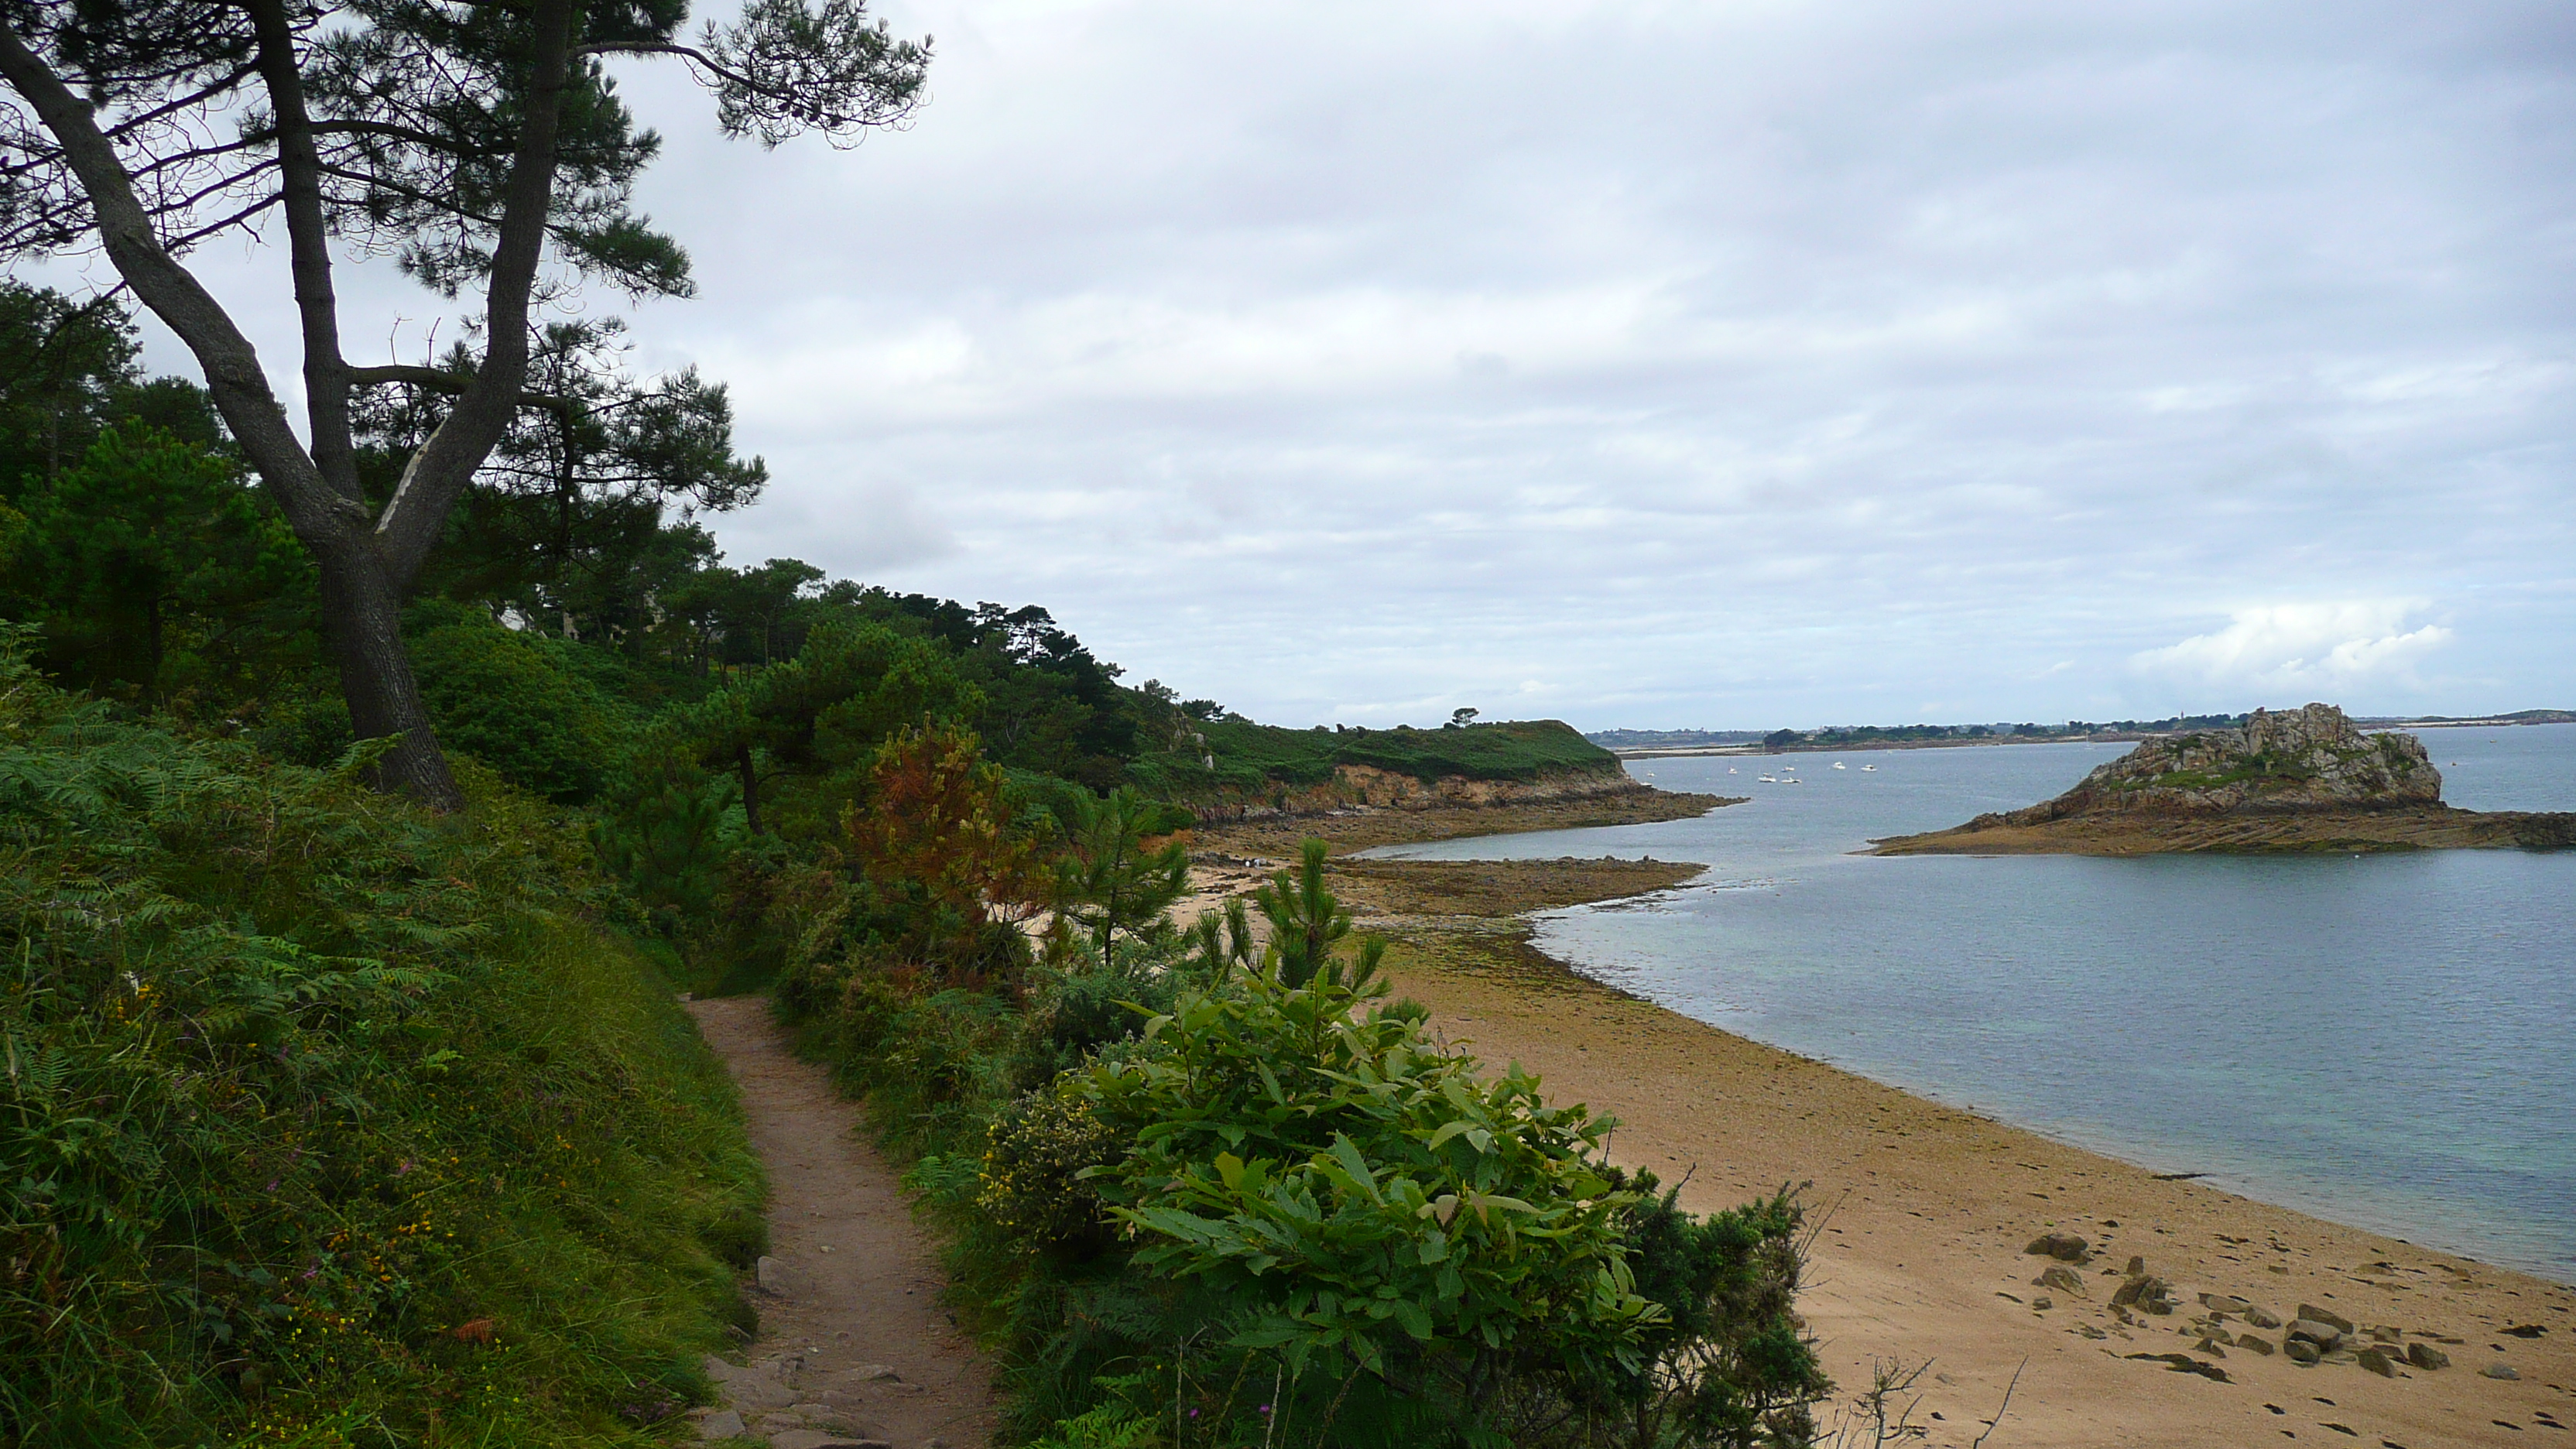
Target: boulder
[
  {"x": 2065, "y": 1247},
  {"x": 2301, "y": 1351},
  {"x": 2376, "y": 1360},
  {"x": 2150, "y": 1294},
  {"x": 719, "y": 1371},
  {"x": 2324, "y": 1335},
  {"x": 2314, "y": 1314},
  {"x": 2262, "y": 1346},
  {"x": 2225, "y": 1303},
  {"x": 722, "y": 1424},
  {"x": 2425, "y": 1356},
  {"x": 2262, "y": 1317}
]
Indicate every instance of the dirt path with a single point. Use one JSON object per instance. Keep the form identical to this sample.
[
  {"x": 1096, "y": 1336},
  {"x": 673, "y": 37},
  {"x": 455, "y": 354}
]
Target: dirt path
[{"x": 854, "y": 1348}]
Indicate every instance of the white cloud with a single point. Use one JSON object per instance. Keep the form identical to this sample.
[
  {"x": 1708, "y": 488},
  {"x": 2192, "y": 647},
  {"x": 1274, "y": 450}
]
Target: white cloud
[
  {"x": 1727, "y": 365},
  {"x": 2331, "y": 646}
]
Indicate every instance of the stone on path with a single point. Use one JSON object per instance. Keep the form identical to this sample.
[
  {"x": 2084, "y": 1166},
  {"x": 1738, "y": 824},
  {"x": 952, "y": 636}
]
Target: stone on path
[{"x": 722, "y": 1424}]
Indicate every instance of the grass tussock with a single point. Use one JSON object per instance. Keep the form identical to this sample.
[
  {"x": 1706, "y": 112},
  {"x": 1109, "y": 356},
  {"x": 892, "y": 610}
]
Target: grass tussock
[{"x": 327, "y": 1122}]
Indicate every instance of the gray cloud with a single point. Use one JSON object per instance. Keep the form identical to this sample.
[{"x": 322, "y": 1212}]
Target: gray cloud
[{"x": 1682, "y": 364}]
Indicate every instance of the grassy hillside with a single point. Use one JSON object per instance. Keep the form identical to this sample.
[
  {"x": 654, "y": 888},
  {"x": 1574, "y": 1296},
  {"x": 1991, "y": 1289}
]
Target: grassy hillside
[
  {"x": 1250, "y": 757},
  {"x": 325, "y": 1122}
]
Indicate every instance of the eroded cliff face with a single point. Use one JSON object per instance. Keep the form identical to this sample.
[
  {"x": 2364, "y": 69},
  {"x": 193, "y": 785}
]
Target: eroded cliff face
[
  {"x": 2301, "y": 760},
  {"x": 1366, "y": 785}
]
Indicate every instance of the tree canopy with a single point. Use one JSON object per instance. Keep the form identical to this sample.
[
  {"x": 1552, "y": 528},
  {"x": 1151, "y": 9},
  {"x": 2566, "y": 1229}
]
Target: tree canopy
[{"x": 484, "y": 149}]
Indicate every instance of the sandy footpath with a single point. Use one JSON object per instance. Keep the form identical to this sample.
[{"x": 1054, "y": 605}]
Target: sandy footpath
[{"x": 1923, "y": 1213}]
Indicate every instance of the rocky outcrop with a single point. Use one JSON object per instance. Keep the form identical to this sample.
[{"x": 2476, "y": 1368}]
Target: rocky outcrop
[
  {"x": 1367, "y": 787},
  {"x": 2311, "y": 759},
  {"x": 2300, "y": 780}
]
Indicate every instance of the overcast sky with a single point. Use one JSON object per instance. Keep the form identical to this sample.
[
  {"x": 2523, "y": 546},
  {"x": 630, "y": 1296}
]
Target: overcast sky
[{"x": 1724, "y": 365}]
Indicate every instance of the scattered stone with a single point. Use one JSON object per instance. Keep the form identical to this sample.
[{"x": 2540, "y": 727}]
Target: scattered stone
[
  {"x": 2225, "y": 1303},
  {"x": 870, "y": 1372},
  {"x": 2089, "y": 1331},
  {"x": 2183, "y": 1363},
  {"x": 2302, "y": 1352},
  {"x": 2066, "y": 1247},
  {"x": 2376, "y": 1360},
  {"x": 2211, "y": 1347},
  {"x": 2262, "y": 1317},
  {"x": 775, "y": 1277},
  {"x": 2042, "y": 1303},
  {"x": 2425, "y": 1356},
  {"x": 2314, "y": 1314},
  {"x": 2382, "y": 1333},
  {"x": 2499, "y": 1371},
  {"x": 2137, "y": 1266},
  {"x": 723, "y": 1424},
  {"x": 720, "y": 1371},
  {"x": 818, "y": 1439},
  {"x": 2527, "y": 1330},
  {"x": 2064, "y": 1280},
  {"x": 2262, "y": 1346}
]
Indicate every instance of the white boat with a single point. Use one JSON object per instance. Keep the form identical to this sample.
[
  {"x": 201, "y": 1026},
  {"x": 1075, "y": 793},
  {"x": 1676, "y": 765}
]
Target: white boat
[
  {"x": 1730, "y": 769},
  {"x": 1865, "y": 769},
  {"x": 1765, "y": 779},
  {"x": 1794, "y": 780},
  {"x": 1838, "y": 764}
]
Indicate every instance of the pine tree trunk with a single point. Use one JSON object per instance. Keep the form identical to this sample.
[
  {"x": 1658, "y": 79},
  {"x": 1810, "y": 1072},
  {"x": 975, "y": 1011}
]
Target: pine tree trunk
[{"x": 362, "y": 623}]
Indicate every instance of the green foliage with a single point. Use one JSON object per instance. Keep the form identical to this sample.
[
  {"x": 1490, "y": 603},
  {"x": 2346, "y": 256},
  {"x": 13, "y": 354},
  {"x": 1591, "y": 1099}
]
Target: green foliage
[
  {"x": 1357, "y": 1194},
  {"x": 511, "y": 699},
  {"x": 1196, "y": 1202},
  {"x": 155, "y": 570},
  {"x": 1306, "y": 923},
  {"x": 327, "y": 1121},
  {"x": 1109, "y": 882},
  {"x": 1252, "y": 758}
]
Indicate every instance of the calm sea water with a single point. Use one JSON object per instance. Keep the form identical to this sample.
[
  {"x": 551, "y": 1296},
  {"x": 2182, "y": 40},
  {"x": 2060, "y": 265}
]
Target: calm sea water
[{"x": 2387, "y": 1041}]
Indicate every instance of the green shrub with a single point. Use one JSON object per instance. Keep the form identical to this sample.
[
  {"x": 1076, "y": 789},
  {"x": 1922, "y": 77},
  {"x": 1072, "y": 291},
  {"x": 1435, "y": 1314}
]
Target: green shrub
[
  {"x": 1257, "y": 1212},
  {"x": 515, "y": 701}
]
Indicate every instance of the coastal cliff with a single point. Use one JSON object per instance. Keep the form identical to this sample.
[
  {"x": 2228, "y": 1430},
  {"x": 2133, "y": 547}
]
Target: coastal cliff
[{"x": 2300, "y": 780}]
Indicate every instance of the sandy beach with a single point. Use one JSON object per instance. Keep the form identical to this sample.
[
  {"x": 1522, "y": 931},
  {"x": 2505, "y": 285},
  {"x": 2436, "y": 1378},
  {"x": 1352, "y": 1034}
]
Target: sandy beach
[{"x": 1922, "y": 1213}]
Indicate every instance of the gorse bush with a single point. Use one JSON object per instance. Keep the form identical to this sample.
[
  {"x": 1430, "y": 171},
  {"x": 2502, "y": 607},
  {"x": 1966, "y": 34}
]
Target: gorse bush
[
  {"x": 325, "y": 1121},
  {"x": 1259, "y": 1204}
]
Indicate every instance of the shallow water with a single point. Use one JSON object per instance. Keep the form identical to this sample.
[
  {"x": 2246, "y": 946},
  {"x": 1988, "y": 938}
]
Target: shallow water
[{"x": 2386, "y": 1040}]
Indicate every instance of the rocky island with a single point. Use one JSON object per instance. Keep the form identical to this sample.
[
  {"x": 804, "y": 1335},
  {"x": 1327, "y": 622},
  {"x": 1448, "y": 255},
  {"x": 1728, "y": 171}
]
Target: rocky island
[{"x": 2300, "y": 780}]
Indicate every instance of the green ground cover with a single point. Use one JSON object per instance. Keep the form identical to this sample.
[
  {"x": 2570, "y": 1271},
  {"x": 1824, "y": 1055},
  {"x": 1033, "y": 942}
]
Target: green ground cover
[{"x": 327, "y": 1122}]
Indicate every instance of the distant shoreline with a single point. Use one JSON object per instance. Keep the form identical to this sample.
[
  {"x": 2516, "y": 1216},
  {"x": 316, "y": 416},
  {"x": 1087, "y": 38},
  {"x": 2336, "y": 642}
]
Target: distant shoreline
[{"x": 2096, "y": 737}]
